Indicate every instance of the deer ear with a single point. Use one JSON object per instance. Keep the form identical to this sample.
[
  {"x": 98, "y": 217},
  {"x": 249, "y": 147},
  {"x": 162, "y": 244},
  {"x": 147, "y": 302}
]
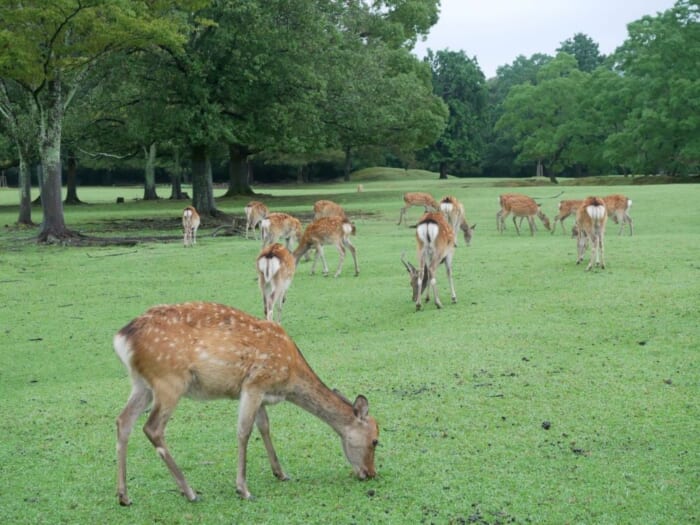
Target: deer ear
[{"x": 361, "y": 407}]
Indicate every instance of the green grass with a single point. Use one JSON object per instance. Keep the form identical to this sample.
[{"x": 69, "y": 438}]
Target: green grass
[{"x": 608, "y": 358}]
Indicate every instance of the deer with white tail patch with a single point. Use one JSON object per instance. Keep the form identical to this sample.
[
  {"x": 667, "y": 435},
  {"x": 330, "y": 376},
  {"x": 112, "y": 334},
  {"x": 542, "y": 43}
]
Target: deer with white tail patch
[
  {"x": 190, "y": 225},
  {"x": 275, "y": 266},
  {"x": 435, "y": 245},
  {"x": 590, "y": 226}
]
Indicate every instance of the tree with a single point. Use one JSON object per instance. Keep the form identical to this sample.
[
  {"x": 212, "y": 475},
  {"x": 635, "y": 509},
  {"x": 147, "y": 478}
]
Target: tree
[
  {"x": 461, "y": 84},
  {"x": 499, "y": 151},
  {"x": 585, "y": 50},
  {"x": 660, "y": 61},
  {"x": 19, "y": 122},
  {"x": 54, "y": 46},
  {"x": 540, "y": 117}
]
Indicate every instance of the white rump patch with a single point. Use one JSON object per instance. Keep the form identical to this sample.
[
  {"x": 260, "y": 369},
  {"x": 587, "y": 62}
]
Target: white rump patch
[
  {"x": 268, "y": 266},
  {"x": 123, "y": 349},
  {"x": 446, "y": 207},
  {"x": 629, "y": 203},
  {"x": 347, "y": 228},
  {"x": 427, "y": 232},
  {"x": 595, "y": 212}
]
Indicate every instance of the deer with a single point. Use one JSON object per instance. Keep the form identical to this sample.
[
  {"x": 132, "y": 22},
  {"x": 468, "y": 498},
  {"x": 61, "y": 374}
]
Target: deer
[
  {"x": 275, "y": 265},
  {"x": 617, "y": 207},
  {"x": 454, "y": 212},
  {"x": 255, "y": 212},
  {"x": 520, "y": 206},
  {"x": 190, "y": 224},
  {"x": 418, "y": 199},
  {"x": 435, "y": 246},
  {"x": 326, "y": 208},
  {"x": 566, "y": 208},
  {"x": 278, "y": 226},
  {"x": 213, "y": 351},
  {"x": 328, "y": 230},
  {"x": 590, "y": 225}
]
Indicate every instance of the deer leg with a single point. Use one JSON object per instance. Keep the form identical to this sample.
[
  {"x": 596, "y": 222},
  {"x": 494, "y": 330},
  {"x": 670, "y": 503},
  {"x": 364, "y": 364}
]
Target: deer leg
[
  {"x": 515, "y": 223},
  {"x": 581, "y": 242},
  {"x": 341, "y": 258},
  {"x": 155, "y": 431},
  {"x": 353, "y": 252},
  {"x": 249, "y": 406},
  {"x": 319, "y": 253},
  {"x": 263, "y": 424},
  {"x": 499, "y": 221},
  {"x": 421, "y": 276},
  {"x": 402, "y": 215},
  {"x": 138, "y": 401},
  {"x": 531, "y": 223},
  {"x": 448, "y": 268},
  {"x": 433, "y": 286}
]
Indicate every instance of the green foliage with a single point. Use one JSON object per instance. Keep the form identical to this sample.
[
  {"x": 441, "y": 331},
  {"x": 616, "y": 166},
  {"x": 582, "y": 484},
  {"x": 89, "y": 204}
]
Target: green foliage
[
  {"x": 585, "y": 49},
  {"x": 607, "y": 358},
  {"x": 461, "y": 85},
  {"x": 660, "y": 60}
]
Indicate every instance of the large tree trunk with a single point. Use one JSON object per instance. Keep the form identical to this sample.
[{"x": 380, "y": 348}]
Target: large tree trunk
[
  {"x": 238, "y": 171},
  {"x": 72, "y": 182},
  {"x": 149, "y": 187},
  {"x": 53, "y": 226},
  {"x": 347, "y": 168},
  {"x": 443, "y": 170},
  {"x": 202, "y": 186},
  {"x": 25, "y": 191}
]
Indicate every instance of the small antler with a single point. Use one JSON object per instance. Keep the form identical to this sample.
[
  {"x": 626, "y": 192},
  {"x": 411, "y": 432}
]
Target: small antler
[{"x": 409, "y": 267}]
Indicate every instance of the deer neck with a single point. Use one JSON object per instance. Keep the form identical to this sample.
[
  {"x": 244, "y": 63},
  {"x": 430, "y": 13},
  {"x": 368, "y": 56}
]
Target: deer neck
[{"x": 311, "y": 394}]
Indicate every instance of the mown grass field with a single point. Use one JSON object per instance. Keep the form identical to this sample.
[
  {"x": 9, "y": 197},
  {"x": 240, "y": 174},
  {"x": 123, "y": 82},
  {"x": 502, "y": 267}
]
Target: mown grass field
[{"x": 547, "y": 394}]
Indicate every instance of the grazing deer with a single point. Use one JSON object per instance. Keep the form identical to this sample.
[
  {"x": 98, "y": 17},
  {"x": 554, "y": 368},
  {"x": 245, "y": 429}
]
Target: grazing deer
[
  {"x": 210, "y": 351},
  {"x": 190, "y": 224},
  {"x": 278, "y": 226},
  {"x": 275, "y": 266},
  {"x": 454, "y": 212},
  {"x": 566, "y": 208},
  {"x": 328, "y": 230},
  {"x": 617, "y": 207},
  {"x": 418, "y": 199},
  {"x": 435, "y": 245},
  {"x": 255, "y": 212},
  {"x": 325, "y": 208},
  {"x": 590, "y": 224},
  {"x": 519, "y": 206}
]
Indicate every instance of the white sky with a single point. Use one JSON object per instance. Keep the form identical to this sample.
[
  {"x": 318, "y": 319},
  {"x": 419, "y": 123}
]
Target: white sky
[{"x": 497, "y": 31}]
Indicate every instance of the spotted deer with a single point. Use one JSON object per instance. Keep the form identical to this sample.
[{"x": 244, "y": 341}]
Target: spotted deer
[
  {"x": 211, "y": 351},
  {"x": 590, "y": 225},
  {"x": 328, "y": 230},
  {"x": 435, "y": 245},
  {"x": 520, "y": 206},
  {"x": 565, "y": 209},
  {"x": 326, "y": 208},
  {"x": 617, "y": 207},
  {"x": 454, "y": 212},
  {"x": 418, "y": 199},
  {"x": 277, "y": 226},
  {"x": 275, "y": 266},
  {"x": 190, "y": 225},
  {"x": 255, "y": 212}
]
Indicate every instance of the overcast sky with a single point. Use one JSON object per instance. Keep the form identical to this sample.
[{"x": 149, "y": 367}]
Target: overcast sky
[{"x": 497, "y": 31}]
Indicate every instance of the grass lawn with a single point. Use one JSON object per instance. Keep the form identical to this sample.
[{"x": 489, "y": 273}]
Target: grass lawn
[{"x": 546, "y": 394}]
